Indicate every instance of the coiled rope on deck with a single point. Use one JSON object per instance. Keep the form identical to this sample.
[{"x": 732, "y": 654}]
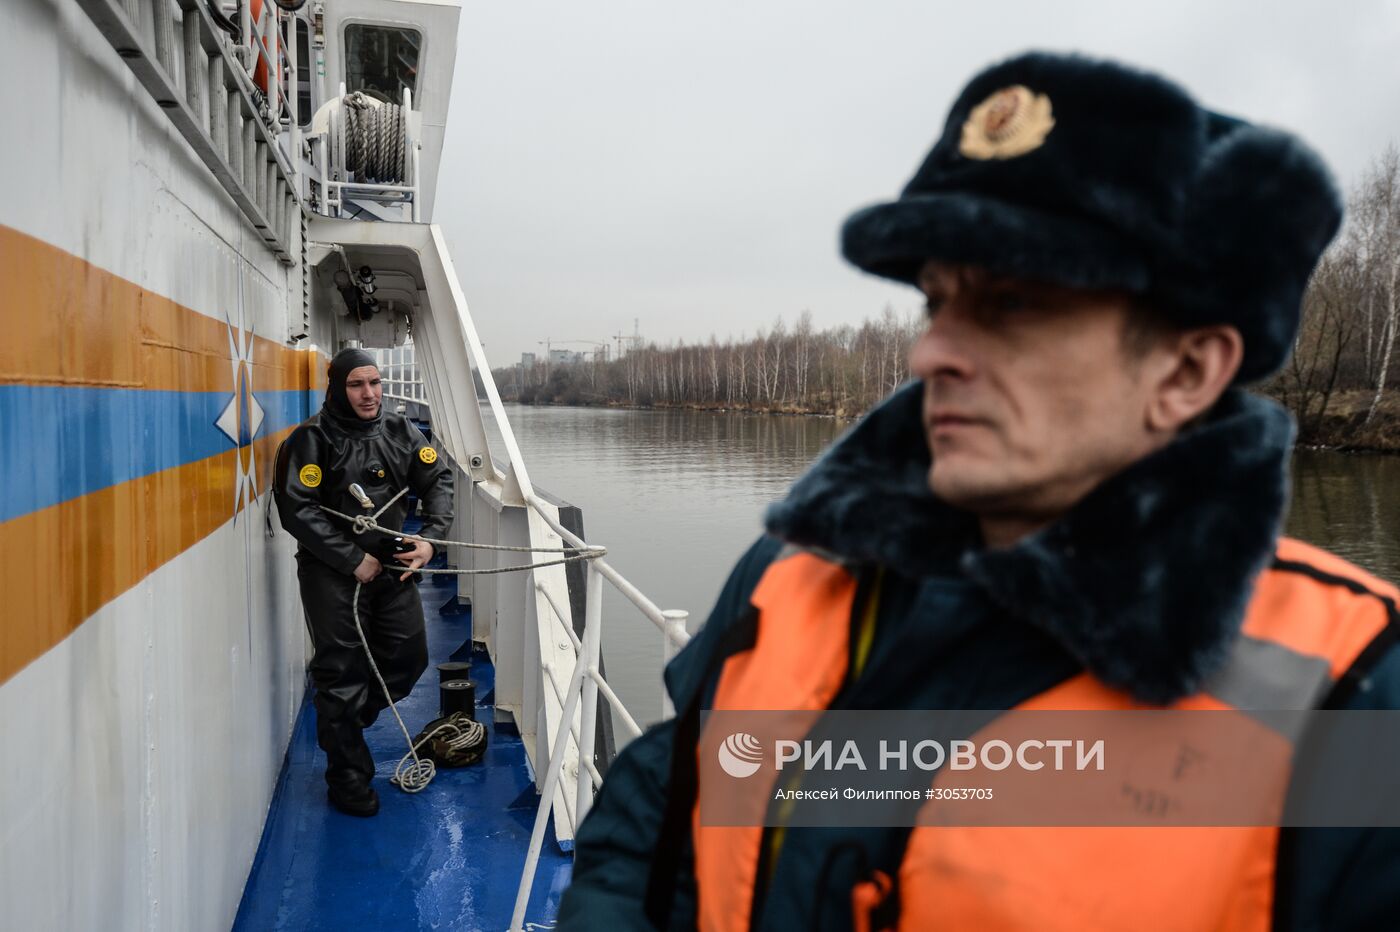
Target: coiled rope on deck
[{"x": 413, "y": 773}]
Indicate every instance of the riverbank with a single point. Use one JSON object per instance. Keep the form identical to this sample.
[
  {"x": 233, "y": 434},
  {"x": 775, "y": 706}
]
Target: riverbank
[
  {"x": 840, "y": 413},
  {"x": 1343, "y": 427}
]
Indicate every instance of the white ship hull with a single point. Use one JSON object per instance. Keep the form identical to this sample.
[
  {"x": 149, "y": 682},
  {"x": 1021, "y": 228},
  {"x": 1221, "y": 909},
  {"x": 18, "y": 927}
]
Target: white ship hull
[{"x": 152, "y": 651}]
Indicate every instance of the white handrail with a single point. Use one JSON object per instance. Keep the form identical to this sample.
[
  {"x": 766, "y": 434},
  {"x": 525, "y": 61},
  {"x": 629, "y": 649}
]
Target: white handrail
[
  {"x": 551, "y": 781},
  {"x": 479, "y": 363},
  {"x": 589, "y": 657},
  {"x": 559, "y": 615},
  {"x": 613, "y": 700},
  {"x": 671, "y": 622},
  {"x": 573, "y": 728},
  {"x": 664, "y": 620}
]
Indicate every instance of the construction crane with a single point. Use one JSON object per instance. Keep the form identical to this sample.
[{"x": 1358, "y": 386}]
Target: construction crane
[{"x": 634, "y": 339}]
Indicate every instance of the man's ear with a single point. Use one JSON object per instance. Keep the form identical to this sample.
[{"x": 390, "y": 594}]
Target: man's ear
[{"x": 1193, "y": 368}]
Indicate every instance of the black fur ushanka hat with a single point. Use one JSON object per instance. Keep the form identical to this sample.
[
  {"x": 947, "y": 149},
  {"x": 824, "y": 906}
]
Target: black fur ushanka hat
[{"x": 1089, "y": 174}]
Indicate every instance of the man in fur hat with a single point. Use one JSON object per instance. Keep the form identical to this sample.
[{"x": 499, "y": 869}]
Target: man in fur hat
[
  {"x": 353, "y": 441},
  {"x": 1076, "y": 506}
]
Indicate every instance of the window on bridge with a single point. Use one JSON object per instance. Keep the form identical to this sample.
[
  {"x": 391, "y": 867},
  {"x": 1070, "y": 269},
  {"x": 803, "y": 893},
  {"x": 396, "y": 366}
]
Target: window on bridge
[{"x": 382, "y": 61}]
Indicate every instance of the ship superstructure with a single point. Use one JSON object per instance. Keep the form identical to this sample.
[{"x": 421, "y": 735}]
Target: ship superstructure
[{"x": 204, "y": 200}]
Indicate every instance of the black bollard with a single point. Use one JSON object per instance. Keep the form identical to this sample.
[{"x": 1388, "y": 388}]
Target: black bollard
[
  {"x": 457, "y": 696},
  {"x": 454, "y": 670}
]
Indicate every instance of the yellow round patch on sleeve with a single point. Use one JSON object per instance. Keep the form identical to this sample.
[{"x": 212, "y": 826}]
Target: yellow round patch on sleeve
[
  {"x": 310, "y": 475},
  {"x": 427, "y": 455}
]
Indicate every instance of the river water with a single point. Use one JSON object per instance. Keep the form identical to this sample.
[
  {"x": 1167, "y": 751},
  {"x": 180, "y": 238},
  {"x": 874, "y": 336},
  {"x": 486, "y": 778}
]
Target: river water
[{"x": 676, "y": 496}]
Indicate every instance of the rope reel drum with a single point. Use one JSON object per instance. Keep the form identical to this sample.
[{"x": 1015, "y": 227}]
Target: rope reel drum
[{"x": 367, "y": 138}]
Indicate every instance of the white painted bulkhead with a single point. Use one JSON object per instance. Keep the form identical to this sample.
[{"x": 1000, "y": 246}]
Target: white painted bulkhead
[{"x": 140, "y": 753}]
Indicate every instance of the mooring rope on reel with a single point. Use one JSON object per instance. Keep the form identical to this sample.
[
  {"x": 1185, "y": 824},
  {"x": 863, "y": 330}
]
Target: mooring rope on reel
[
  {"x": 375, "y": 133},
  {"x": 413, "y": 772}
]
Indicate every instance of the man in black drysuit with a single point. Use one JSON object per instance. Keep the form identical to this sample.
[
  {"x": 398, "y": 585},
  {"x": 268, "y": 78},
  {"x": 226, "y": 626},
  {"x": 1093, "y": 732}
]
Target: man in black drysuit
[{"x": 352, "y": 440}]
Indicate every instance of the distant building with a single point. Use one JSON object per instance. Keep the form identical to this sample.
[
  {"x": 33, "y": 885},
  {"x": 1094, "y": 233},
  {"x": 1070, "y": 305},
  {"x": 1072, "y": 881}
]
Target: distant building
[
  {"x": 563, "y": 357},
  {"x": 527, "y": 361}
]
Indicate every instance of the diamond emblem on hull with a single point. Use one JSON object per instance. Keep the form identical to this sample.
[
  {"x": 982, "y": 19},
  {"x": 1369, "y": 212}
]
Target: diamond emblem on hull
[{"x": 242, "y": 417}]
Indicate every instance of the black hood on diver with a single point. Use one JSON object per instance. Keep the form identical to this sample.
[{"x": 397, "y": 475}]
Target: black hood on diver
[{"x": 337, "y": 404}]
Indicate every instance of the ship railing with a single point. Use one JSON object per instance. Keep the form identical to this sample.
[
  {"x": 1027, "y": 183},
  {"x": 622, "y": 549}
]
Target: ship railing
[
  {"x": 201, "y": 78},
  {"x": 582, "y": 691},
  {"x": 400, "y": 390},
  {"x": 415, "y": 409},
  {"x": 229, "y": 88},
  {"x": 670, "y": 622},
  {"x": 262, "y": 50}
]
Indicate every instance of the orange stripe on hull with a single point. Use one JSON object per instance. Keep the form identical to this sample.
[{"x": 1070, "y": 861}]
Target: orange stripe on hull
[
  {"x": 61, "y": 564},
  {"x": 74, "y": 323}
]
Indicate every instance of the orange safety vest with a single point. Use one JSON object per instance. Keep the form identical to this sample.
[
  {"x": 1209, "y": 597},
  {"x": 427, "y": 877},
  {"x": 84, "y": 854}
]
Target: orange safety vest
[{"x": 1308, "y": 606}]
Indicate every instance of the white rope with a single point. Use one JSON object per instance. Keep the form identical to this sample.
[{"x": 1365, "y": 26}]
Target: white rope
[
  {"x": 414, "y": 773},
  {"x": 408, "y": 777},
  {"x": 359, "y": 524},
  {"x": 468, "y": 731}
]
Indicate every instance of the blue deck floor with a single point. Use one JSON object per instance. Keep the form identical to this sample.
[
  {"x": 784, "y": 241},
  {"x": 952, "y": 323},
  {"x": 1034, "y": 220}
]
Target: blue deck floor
[{"x": 446, "y": 858}]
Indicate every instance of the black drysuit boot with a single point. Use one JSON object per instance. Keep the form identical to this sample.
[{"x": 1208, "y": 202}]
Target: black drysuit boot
[
  {"x": 353, "y": 796},
  {"x": 348, "y": 697}
]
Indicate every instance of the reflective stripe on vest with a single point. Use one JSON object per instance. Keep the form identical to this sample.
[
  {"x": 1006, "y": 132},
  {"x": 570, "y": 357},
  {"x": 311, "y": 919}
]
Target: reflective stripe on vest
[{"x": 1307, "y": 622}]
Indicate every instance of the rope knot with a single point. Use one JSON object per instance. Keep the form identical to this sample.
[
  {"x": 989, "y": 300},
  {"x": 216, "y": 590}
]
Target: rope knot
[{"x": 362, "y": 523}]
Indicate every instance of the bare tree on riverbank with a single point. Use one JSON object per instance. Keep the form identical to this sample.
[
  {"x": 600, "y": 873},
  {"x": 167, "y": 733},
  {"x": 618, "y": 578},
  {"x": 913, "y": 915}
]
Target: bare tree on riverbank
[
  {"x": 1309, "y": 378},
  {"x": 1338, "y": 381},
  {"x": 842, "y": 370},
  {"x": 1376, "y": 219}
]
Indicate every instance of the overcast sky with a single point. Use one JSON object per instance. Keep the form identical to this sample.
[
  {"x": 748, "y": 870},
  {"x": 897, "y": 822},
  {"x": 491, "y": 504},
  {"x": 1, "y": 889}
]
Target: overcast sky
[{"x": 689, "y": 165}]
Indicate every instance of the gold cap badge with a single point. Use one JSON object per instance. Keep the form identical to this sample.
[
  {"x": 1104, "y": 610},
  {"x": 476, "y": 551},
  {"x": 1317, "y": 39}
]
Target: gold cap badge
[{"x": 1011, "y": 122}]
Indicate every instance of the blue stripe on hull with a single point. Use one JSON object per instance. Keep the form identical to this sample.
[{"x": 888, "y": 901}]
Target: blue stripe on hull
[{"x": 60, "y": 442}]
